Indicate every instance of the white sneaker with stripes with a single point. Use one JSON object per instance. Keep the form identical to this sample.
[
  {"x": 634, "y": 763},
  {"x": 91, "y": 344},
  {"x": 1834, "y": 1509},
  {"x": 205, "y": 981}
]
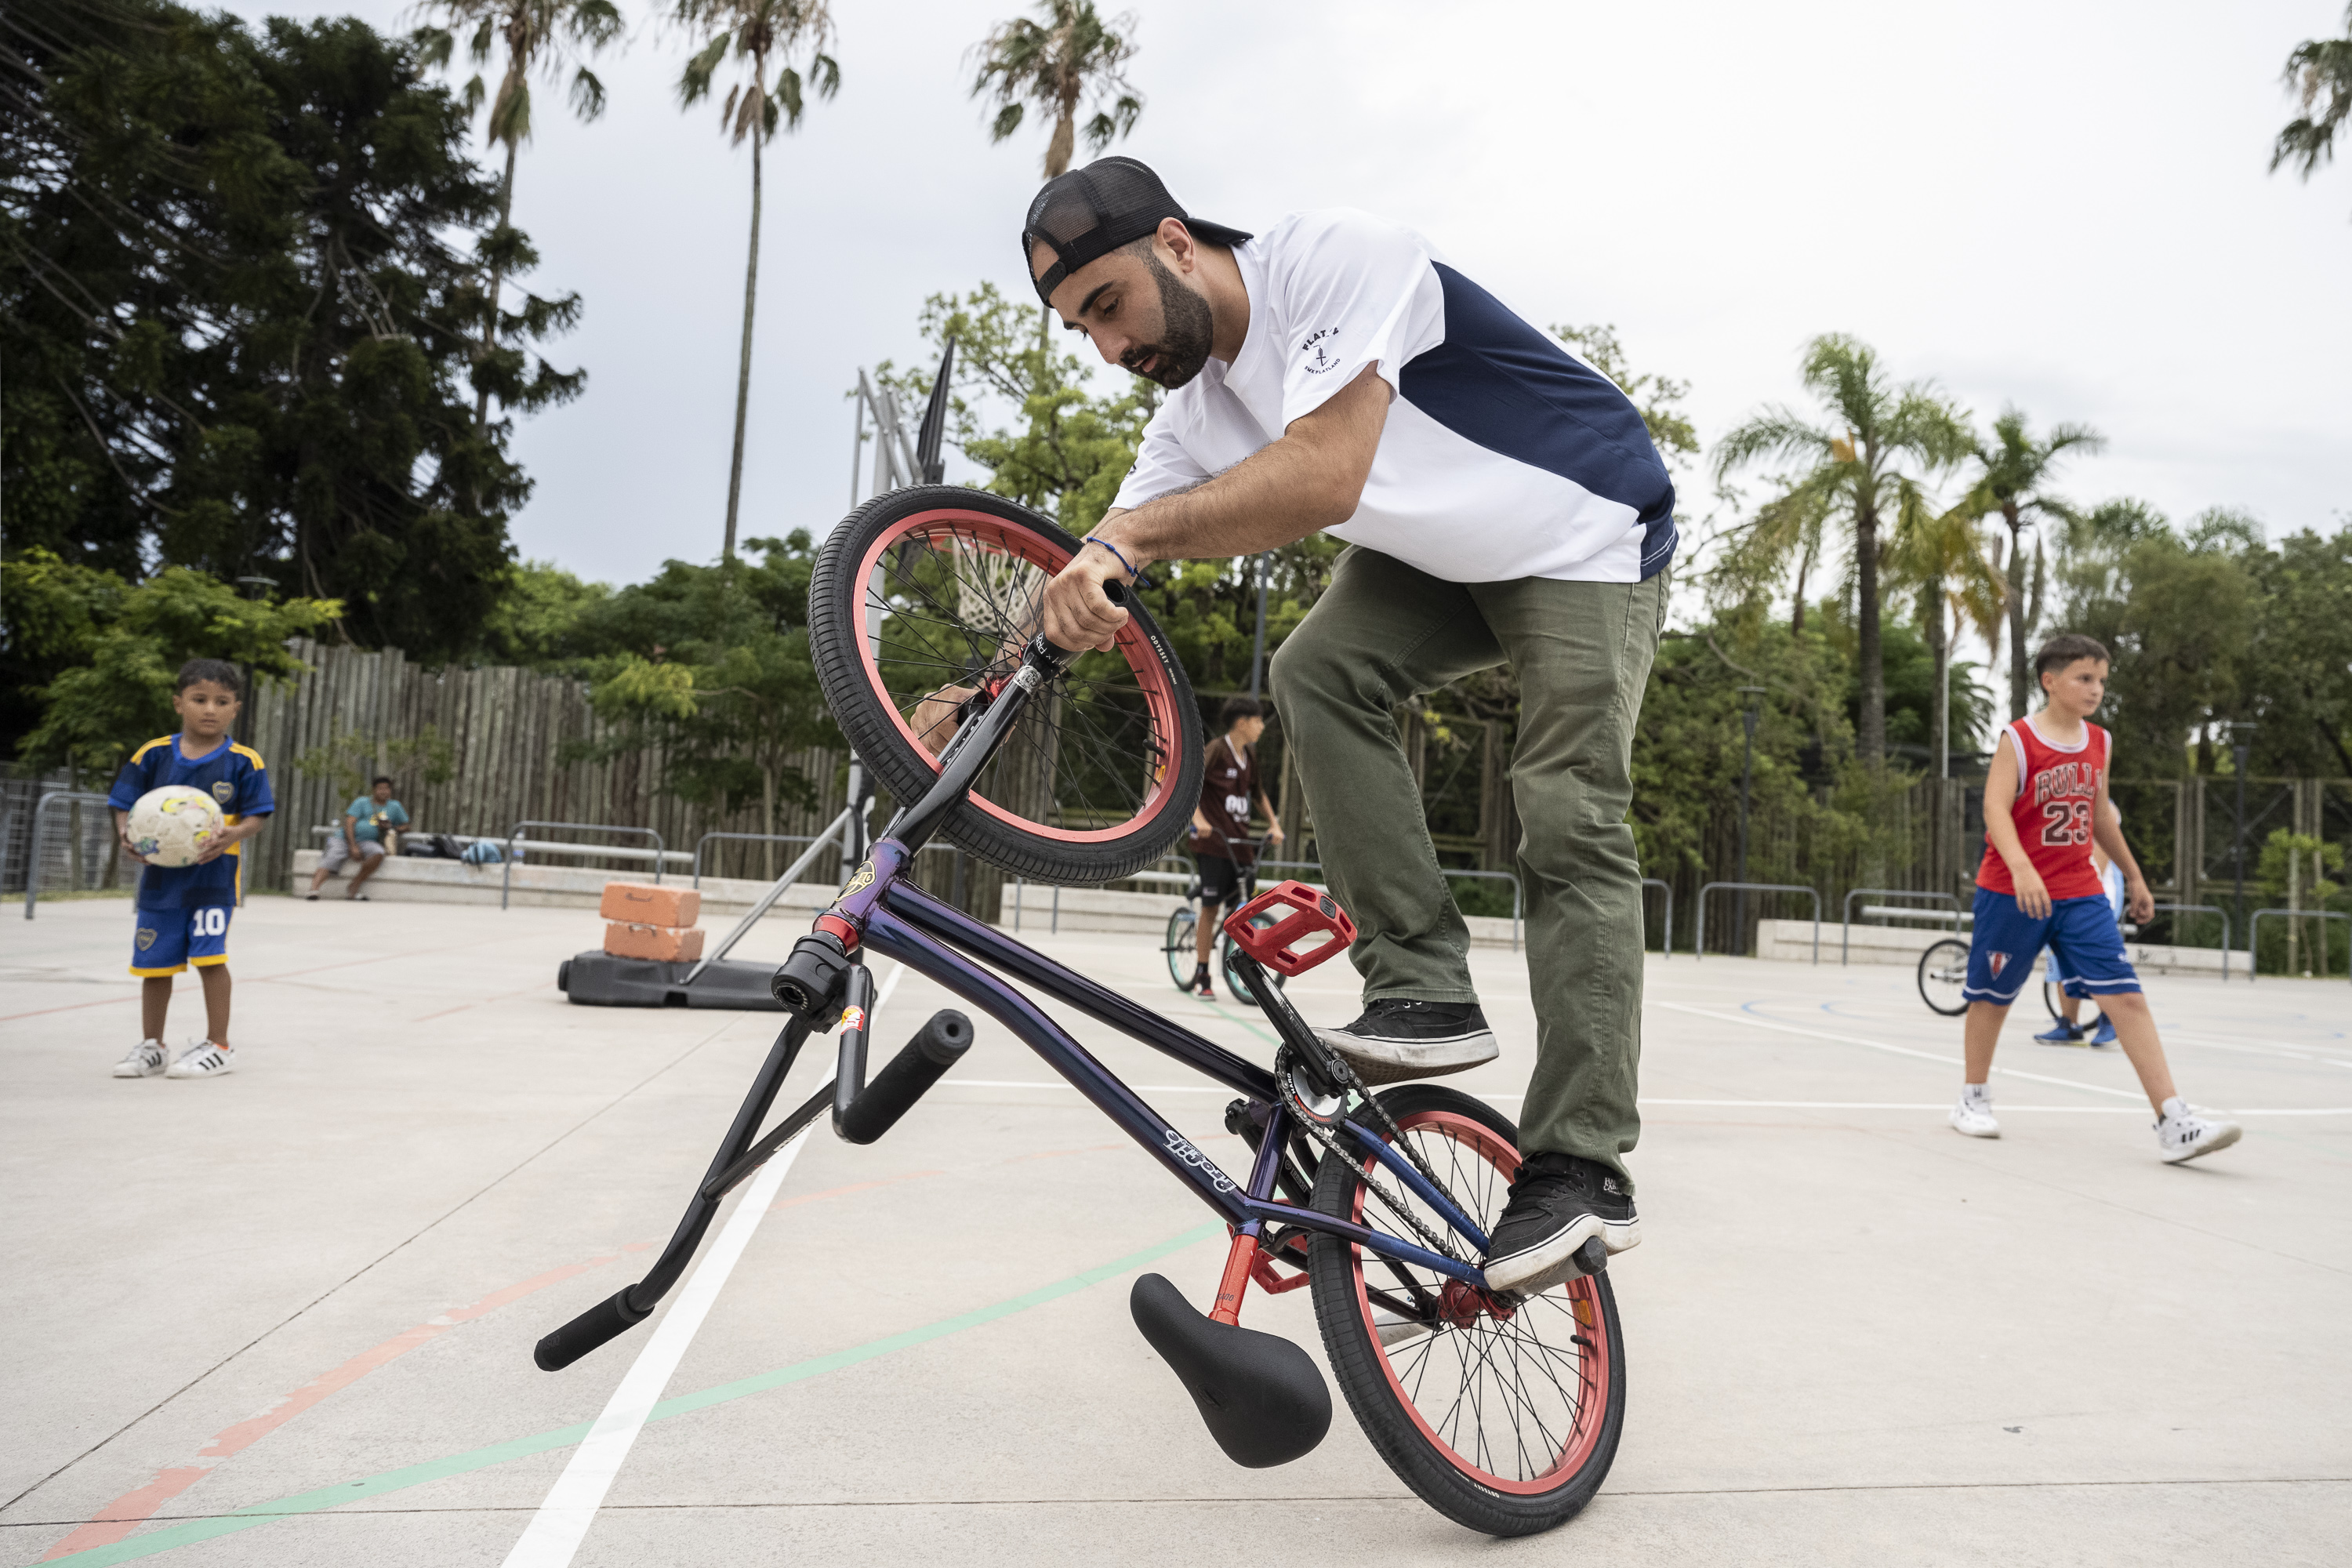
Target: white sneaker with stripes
[
  {"x": 145, "y": 1059},
  {"x": 2184, "y": 1135},
  {"x": 204, "y": 1059}
]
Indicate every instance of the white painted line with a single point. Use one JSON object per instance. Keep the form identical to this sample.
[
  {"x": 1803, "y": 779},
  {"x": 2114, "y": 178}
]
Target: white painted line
[
  {"x": 554, "y": 1536},
  {"x": 1752, "y": 1021}
]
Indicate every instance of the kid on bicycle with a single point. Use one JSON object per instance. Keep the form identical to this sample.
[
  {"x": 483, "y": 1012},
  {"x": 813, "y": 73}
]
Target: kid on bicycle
[
  {"x": 1222, "y": 846},
  {"x": 2045, "y": 804}
]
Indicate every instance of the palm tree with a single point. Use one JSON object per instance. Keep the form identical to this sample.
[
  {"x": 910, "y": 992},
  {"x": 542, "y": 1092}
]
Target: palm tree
[
  {"x": 1941, "y": 555},
  {"x": 756, "y": 32},
  {"x": 1069, "y": 55},
  {"x": 2015, "y": 482},
  {"x": 1883, "y": 443},
  {"x": 2317, "y": 66},
  {"x": 539, "y": 37}
]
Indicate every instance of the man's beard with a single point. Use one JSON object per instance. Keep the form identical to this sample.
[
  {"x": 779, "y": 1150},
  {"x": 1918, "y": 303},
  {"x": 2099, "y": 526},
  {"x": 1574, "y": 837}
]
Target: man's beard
[{"x": 1186, "y": 331}]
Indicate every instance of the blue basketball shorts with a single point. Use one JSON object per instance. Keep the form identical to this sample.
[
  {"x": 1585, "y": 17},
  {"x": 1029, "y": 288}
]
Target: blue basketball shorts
[
  {"x": 168, "y": 941},
  {"x": 2083, "y": 940}
]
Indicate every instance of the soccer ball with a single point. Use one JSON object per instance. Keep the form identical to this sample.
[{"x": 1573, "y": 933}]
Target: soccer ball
[{"x": 173, "y": 826}]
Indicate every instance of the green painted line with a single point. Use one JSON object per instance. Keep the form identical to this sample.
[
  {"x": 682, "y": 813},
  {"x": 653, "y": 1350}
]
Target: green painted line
[
  {"x": 301, "y": 1503},
  {"x": 1244, "y": 1022}
]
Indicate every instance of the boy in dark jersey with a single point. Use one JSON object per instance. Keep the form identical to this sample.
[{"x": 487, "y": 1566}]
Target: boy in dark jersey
[
  {"x": 1221, "y": 845},
  {"x": 2045, "y": 805},
  {"x": 183, "y": 910}
]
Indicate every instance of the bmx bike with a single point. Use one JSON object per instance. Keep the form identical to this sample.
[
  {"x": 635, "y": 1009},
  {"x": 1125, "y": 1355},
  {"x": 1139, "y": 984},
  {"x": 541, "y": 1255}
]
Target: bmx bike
[
  {"x": 1183, "y": 947},
  {"x": 1503, "y": 1412}
]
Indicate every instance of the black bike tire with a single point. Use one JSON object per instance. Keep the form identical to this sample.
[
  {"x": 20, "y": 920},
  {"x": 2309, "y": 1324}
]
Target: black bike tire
[
  {"x": 868, "y": 718},
  {"x": 1925, "y": 958},
  {"x": 1354, "y": 1359},
  {"x": 1190, "y": 922}
]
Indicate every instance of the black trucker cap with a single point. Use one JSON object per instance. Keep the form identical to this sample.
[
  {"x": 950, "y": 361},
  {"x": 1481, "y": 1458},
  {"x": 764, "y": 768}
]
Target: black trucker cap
[{"x": 1089, "y": 212}]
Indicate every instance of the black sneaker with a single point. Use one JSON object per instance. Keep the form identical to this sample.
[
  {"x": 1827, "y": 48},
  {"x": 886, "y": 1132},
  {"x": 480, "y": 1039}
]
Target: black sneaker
[
  {"x": 1560, "y": 1204},
  {"x": 1397, "y": 1039}
]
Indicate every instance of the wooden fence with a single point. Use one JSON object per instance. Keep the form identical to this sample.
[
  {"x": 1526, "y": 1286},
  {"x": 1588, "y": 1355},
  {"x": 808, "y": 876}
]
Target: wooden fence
[{"x": 508, "y": 732}]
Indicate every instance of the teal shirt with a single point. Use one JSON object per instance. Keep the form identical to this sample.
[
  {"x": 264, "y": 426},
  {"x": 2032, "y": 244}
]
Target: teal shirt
[{"x": 373, "y": 818}]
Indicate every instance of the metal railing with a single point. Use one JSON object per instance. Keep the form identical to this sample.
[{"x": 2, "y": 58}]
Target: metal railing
[
  {"x": 2254, "y": 925},
  {"x": 758, "y": 839},
  {"x": 2208, "y": 910},
  {"x": 1668, "y": 889},
  {"x": 40, "y": 821},
  {"x": 516, "y": 843},
  {"x": 847, "y": 828},
  {"x": 1698, "y": 939},
  {"x": 1845, "y": 925}
]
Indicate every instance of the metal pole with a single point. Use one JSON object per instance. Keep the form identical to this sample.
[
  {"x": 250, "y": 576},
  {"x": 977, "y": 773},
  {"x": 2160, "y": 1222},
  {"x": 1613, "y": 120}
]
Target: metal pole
[
  {"x": 2241, "y": 748},
  {"x": 1748, "y": 717},
  {"x": 842, "y": 824},
  {"x": 856, "y": 445},
  {"x": 1257, "y": 654}
]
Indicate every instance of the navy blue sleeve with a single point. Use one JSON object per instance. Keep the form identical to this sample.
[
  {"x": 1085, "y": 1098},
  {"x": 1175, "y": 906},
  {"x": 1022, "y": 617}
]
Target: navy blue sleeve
[
  {"x": 253, "y": 796},
  {"x": 129, "y": 785}
]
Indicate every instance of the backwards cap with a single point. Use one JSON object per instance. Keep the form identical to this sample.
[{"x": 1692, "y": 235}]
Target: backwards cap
[{"x": 1089, "y": 212}]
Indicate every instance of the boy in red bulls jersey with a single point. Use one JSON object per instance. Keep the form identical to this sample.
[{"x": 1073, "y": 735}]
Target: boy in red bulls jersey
[{"x": 2045, "y": 804}]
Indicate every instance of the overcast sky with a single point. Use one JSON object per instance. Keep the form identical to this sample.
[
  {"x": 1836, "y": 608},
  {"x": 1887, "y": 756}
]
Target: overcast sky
[{"x": 2055, "y": 203}]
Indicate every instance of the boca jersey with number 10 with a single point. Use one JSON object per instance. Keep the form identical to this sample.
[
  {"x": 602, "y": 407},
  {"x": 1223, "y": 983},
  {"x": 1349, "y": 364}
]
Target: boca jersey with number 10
[{"x": 2057, "y": 792}]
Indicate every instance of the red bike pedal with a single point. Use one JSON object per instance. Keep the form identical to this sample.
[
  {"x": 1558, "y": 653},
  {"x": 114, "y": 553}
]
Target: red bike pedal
[{"x": 1296, "y": 914}]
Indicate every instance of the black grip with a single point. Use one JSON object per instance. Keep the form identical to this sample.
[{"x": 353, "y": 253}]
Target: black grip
[
  {"x": 937, "y": 1047},
  {"x": 607, "y": 1320}
]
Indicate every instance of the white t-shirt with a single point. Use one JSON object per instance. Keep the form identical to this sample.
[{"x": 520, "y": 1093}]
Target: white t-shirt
[{"x": 1504, "y": 456}]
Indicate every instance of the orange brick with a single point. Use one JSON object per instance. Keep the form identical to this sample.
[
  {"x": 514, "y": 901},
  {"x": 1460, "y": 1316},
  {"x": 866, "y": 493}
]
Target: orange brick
[
  {"x": 645, "y": 904},
  {"x": 669, "y": 944}
]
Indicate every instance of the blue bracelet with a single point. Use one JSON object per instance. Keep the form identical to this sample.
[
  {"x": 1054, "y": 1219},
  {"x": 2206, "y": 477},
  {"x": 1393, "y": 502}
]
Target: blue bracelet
[{"x": 1140, "y": 581}]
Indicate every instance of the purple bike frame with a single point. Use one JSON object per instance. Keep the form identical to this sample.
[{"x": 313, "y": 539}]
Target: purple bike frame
[{"x": 902, "y": 921}]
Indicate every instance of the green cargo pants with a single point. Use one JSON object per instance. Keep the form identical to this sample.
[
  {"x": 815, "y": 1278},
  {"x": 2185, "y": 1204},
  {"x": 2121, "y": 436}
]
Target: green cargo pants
[{"x": 1385, "y": 632}]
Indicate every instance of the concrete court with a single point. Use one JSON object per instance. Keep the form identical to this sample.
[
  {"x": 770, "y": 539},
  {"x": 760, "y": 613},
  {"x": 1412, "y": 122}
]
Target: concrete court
[{"x": 309, "y": 1290}]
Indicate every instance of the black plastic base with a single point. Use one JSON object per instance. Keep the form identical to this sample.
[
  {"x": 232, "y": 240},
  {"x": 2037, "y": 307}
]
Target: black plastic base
[
  {"x": 1263, "y": 1398},
  {"x": 597, "y": 979}
]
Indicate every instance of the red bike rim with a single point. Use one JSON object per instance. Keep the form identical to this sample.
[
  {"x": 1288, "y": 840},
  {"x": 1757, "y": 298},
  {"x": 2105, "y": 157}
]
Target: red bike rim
[
  {"x": 1579, "y": 1299},
  {"x": 1018, "y": 543}
]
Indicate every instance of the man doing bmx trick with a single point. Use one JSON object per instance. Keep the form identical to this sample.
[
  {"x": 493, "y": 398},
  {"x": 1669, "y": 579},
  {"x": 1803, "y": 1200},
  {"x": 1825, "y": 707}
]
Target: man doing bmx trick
[{"x": 1502, "y": 503}]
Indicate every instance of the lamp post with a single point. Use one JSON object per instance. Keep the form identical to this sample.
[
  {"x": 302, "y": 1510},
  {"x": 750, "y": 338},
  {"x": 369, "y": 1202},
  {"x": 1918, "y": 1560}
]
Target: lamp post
[
  {"x": 2241, "y": 748},
  {"x": 1257, "y": 654},
  {"x": 1748, "y": 717},
  {"x": 257, "y": 586}
]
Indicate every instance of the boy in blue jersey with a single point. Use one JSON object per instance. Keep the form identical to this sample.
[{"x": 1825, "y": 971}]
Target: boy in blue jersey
[{"x": 183, "y": 910}]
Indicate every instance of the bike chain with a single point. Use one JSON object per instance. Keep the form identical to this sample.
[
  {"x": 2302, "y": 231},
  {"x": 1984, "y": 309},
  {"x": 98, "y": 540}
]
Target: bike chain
[{"x": 1284, "y": 1072}]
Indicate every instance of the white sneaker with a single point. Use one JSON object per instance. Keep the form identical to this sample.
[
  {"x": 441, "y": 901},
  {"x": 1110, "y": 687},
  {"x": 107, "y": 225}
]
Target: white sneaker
[
  {"x": 204, "y": 1059},
  {"x": 1975, "y": 1118},
  {"x": 145, "y": 1059},
  {"x": 2183, "y": 1134}
]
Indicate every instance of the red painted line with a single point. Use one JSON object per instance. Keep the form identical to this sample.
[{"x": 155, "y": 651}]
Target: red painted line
[
  {"x": 853, "y": 1188},
  {"x": 118, "y": 1518}
]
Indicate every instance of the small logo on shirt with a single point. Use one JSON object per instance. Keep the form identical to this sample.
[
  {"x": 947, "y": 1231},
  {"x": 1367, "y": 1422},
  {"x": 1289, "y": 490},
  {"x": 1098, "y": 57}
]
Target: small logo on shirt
[
  {"x": 1315, "y": 352},
  {"x": 222, "y": 790}
]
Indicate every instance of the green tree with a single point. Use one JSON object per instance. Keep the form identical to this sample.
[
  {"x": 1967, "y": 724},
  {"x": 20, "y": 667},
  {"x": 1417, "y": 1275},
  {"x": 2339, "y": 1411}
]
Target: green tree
[
  {"x": 1941, "y": 556},
  {"x": 536, "y": 620},
  {"x": 1068, "y": 56},
  {"x": 2014, "y": 475},
  {"x": 1882, "y": 443},
  {"x": 539, "y": 37},
  {"x": 118, "y": 644},
  {"x": 2320, "y": 68},
  {"x": 237, "y": 333},
  {"x": 758, "y": 33},
  {"x": 2298, "y": 684},
  {"x": 711, "y": 664},
  {"x": 2176, "y": 614}
]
